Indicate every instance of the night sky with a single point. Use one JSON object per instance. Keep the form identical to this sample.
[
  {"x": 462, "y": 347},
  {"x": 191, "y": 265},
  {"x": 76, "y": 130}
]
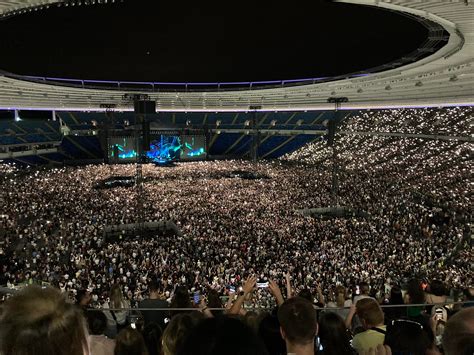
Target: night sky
[{"x": 201, "y": 42}]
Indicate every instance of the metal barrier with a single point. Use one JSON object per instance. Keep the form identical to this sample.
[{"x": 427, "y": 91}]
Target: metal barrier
[{"x": 263, "y": 308}]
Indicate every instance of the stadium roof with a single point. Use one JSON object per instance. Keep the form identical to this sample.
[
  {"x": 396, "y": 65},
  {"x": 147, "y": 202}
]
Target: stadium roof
[
  {"x": 445, "y": 77},
  {"x": 156, "y": 41}
]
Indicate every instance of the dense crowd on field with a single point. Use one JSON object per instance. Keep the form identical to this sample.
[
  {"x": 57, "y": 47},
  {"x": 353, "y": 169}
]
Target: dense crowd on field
[{"x": 414, "y": 192}]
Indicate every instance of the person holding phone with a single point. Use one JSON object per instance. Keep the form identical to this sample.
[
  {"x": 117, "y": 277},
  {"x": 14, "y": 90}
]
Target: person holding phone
[{"x": 247, "y": 289}]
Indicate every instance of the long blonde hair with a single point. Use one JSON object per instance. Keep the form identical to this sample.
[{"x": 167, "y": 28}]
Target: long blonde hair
[
  {"x": 340, "y": 295},
  {"x": 116, "y": 297}
]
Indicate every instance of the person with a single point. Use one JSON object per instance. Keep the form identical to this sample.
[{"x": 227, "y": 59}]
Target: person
[
  {"x": 298, "y": 325},
  {"x": 269, "y": 332},
  {"x": 395, "y": 299},
  {"x": 154, "y": 301},
  {"x": 341, "y": 300},
  {"x": 468, "y": 297},
  {"x": 181, "y": 299},
  {"x": 372, "y": 319},
  {"x": 99, "y": 343},
  {"x": 458, "y": 336},
  {"x": 364, "y": 290},
  {"x": 39, "y": 318},
  {"x": 177, "y": 330},
  {"x": 83, "y": 299},
  {"x": 214, "y": 301},
  {"x": 222, "y": 335},
  {"x": 416, "y": 295},
  {"x": 116, "y": 319},
  {"x": 334, "y": 339},
  {"x": 129, "y": 341},
  {"x": 152, "y": 334},
  {"x": 436, "y": 293},
  {"x": 405, "y": 336},
  {"x": 247, "y": 289}
]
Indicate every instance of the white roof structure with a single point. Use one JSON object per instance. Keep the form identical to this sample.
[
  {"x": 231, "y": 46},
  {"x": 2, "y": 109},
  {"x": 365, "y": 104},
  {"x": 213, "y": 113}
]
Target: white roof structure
[{"x": 444, "y": 78}]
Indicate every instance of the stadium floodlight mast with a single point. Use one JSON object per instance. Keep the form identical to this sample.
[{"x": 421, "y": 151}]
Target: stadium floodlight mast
[
  {"x": 256, "y": 133},
  {"x": 331, "y": 140}
]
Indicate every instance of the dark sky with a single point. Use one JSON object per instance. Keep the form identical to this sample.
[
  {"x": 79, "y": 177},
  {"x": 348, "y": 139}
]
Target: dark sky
[{"x": 199, "y": 42}]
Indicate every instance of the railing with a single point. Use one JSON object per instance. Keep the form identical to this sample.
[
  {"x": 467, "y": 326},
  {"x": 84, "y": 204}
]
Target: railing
[{"x": 383, "y": 306}]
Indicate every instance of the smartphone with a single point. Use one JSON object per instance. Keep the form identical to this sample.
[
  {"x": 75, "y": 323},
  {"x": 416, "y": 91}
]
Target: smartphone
[
  {"x": 133, "y": 325},
  {"x": 166, "y": 320},
  {"x": 318, "y": 345},
  {"x": 231, "y": 289},
  {"x": 262, "y": 284},
  {"x": 357, "y": 290},
  {"x": 196, "y": 297}
]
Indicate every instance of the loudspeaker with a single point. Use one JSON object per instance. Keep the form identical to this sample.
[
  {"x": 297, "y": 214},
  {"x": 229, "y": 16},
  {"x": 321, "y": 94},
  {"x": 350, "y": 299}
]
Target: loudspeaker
[
  {"x": 142, "y": 107},
  {"x": 146, "y": 135}
]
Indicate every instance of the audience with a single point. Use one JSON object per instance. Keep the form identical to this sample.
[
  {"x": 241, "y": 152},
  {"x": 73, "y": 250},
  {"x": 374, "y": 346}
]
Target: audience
[{"x": 417, "y": 207}]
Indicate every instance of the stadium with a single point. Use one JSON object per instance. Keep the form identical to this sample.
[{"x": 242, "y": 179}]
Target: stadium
[{"x": 250, "y": 179}]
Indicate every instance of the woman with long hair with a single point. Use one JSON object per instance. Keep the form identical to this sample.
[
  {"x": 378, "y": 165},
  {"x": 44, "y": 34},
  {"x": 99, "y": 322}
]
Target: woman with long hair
[
  {"x": 340, "y": 300},
  {"x": 181, "y": 299},
  {"x": 395, "y": 299},
  {"x": 116, "y": 318},
  {"x": 334, "y": 338}
]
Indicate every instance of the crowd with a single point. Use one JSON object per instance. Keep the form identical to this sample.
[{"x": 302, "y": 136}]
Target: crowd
[
  {"x": 415, "y": 192},
  {"x": 40, "y": 320}
]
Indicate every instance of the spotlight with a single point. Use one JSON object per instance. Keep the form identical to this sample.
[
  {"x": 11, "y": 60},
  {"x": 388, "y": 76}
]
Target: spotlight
[
  {"x": 273, "y": 123},
  {"x": 218, "y": 123},
  {"x": 247, "y": 123}
]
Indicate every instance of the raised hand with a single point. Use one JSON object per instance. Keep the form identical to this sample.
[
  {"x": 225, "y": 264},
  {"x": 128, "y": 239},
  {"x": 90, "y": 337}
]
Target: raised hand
[
  {"x": 249, "y": 284},
  {"x": 276, "y": 292}
]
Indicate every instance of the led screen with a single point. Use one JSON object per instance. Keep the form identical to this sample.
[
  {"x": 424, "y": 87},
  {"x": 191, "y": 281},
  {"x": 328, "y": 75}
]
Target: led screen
[
  {"x": 194, "y": 147},
  {"x": 122, "y": 149},
  {"x": 163, "y": 148}
]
